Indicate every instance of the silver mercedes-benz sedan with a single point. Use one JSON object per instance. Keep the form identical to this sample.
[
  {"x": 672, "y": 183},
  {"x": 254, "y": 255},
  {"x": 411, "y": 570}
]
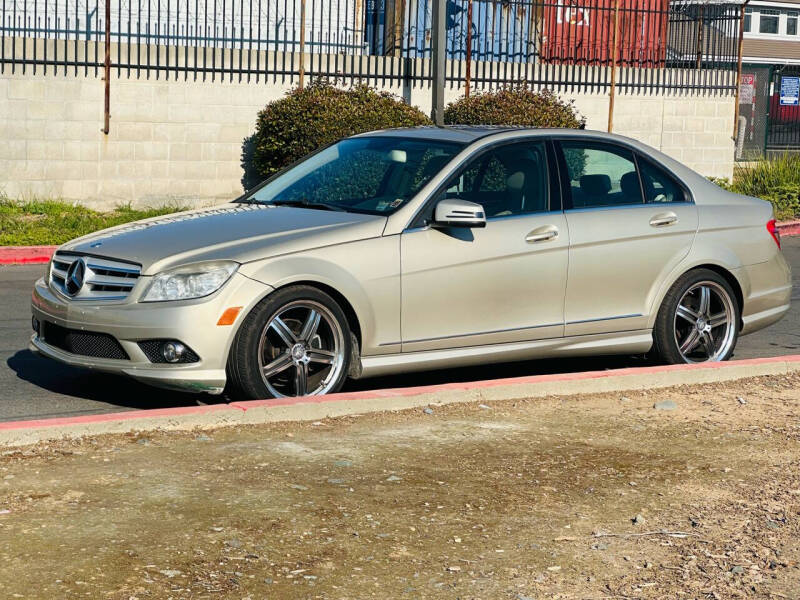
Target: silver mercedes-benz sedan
[{"x": 422, "y": 248}]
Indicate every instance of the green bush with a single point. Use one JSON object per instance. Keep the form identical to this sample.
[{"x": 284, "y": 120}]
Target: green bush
[
  {"x": 514, "y": 106},
  {"x": 776, "y": 180},
  {"x": 315, "y": 116}
]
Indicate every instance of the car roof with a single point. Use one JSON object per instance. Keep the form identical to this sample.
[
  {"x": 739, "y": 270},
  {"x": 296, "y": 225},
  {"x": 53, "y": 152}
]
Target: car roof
[{"x": 464, "y": 134}]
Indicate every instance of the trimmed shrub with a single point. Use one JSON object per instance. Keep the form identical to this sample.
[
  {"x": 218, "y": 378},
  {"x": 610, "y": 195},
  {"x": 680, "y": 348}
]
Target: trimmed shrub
[
  {"x": 315, "y": 116},
  {"x": 514, "y": 106}
]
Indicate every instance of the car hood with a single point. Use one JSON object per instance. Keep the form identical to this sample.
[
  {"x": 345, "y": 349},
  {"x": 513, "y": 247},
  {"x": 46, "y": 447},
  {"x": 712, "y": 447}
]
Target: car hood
[{"x": 239, "y": 232}]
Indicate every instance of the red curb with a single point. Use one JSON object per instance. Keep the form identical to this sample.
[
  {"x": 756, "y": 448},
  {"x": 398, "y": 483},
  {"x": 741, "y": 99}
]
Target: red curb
[
  {"x": 386, "y": 393},
  {"x": 26, "y": 255},
  {"x": 532, "y": 379},
  {"x": 176, "y": 411},
  {"x": 789, "y": 228}
]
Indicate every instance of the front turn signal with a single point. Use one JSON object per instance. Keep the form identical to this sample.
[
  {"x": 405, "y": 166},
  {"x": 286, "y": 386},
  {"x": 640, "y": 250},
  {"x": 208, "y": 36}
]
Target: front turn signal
[{"x": 229, "y": 316}]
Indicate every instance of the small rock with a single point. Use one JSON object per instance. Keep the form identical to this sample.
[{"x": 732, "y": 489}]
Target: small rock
[
  {"x": 336, "y": 481},
  {"x": 454, "y": 569},
  {"x": 638, "y": 519},
  {"x": 624, "y": 399},
  {"x": 170, "y": 573},
  {"x": 343, "y": 463},
  {"x": 217, "y": 529},
  {"x": 457, "y": 540},
  {"x": 521, "y": 597},
  {"x": 666, "y": 405},
  {"x": 773, "y": 524},
  {"x": 268, "y": 581},
  {"x": 648, "y": 565},
  {"x": 4, "y": 511},
  {"x": 7, "y": 477},
  {"x": 297, "y": 486},
  {"x": 394, "y": 478},
  {"x": 741, "y": 400},
  {"x": 143, "y": 442},
  {"x": 427, "y": 410},
  {"x": 554, "y": 568},
  {"x": 203, "y": 438},
  {"x": 600, "y": 546},
  {"x": 317, "y": 423},
  {"x": 483, "y": 406},
  {"x": 737, "y": 570},
  {"x": 234, "y": 543}
]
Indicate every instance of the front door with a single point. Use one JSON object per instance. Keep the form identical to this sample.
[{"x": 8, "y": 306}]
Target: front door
[
  {"x": 502, "y": 283},
  {"x": 630, "y": 224}
]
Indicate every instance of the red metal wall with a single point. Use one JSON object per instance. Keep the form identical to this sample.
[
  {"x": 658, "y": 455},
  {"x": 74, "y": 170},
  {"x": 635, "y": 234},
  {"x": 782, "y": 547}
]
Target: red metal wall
[{"x": 581, "y": 32}]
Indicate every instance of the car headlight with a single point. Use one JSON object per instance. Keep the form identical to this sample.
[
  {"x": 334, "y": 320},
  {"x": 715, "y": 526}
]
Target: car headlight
[{"x": 192, "y": 281}]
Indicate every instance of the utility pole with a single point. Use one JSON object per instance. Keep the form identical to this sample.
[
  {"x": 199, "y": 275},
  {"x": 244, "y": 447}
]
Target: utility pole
[{"x": 438, "y": 49}]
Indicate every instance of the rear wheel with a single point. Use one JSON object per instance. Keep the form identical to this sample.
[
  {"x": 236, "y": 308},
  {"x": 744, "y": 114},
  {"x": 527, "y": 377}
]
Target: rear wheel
[
  {"x": 698, "y": 320},
  {"x": 295, "y": 342}
]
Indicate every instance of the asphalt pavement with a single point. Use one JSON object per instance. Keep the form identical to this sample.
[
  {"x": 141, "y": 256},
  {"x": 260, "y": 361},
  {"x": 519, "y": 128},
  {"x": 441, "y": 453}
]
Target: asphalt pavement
[{"x": 32, "y": 387}]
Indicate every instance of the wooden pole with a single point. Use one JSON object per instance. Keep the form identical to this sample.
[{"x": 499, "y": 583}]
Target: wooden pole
[
  {"x": 739, "y": 72},
  {"x": 107, "y": 70},
  {"x": 469, "y": 48},
  {"x": 438, "y": 50},
  {"x": 613, "y": 91},
  {"x": 302, "y": 43}
]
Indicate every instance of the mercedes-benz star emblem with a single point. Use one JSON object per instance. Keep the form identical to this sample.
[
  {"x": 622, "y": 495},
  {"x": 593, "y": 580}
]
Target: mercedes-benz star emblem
[{"x": 75, "y": 275}]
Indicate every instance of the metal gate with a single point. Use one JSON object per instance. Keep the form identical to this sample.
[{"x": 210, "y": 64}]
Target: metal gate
[
  {"x": 752, "y": 127},
  {"x": 783, "y": 119}
]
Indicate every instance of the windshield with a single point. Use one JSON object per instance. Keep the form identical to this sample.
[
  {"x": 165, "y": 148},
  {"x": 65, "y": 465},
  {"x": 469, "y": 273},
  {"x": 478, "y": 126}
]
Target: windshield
[{"x": 374, "y": 175}]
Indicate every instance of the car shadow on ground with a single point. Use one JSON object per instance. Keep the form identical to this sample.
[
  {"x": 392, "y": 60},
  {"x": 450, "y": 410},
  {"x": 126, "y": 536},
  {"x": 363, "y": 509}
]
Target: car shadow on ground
[{"x": 87, "y": 384}]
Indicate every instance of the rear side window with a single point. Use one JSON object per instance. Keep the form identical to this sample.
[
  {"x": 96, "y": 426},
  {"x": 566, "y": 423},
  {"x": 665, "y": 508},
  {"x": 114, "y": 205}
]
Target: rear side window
[
  {"x": 658, "y": 186},
  {"x": 601, "y": 174}
]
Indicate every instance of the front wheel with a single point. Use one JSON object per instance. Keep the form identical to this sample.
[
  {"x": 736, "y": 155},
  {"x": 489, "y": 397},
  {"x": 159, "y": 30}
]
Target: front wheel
[
  {"x": 698, "y": 320},
  {"x": 295, "y": 342}
]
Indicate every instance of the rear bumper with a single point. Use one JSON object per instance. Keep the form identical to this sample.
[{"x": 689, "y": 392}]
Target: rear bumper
[
  {"x": 767, "y": 291},
  {"x": 194, "y": 323}
]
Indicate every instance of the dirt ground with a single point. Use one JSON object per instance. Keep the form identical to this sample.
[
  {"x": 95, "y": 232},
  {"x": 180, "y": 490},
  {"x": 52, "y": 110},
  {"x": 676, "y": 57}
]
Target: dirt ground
[{"x": 602, "y": 496}]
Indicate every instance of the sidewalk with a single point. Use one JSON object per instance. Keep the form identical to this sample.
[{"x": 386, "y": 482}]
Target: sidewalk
[{"x": 525, "y": 499}]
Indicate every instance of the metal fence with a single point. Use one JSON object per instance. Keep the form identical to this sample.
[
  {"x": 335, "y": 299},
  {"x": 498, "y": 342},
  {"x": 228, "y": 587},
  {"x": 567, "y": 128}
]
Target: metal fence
[{"x": 659, "y": 46}]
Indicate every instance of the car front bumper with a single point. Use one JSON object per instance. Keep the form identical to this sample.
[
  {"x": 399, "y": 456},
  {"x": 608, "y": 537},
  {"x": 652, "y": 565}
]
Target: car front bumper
[{"x": 191, "y": 322}]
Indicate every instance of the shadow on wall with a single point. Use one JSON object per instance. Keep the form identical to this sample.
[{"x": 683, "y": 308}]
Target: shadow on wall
[{"x": 250, "y": 177}]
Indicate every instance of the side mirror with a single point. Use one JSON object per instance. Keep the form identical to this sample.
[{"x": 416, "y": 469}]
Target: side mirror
[{"x": 459, "y": 213}]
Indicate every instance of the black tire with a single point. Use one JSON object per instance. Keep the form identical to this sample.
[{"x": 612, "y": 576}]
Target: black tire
[
  {"x": 244, "y": 367},
  {"x": 670, "y": 328}
]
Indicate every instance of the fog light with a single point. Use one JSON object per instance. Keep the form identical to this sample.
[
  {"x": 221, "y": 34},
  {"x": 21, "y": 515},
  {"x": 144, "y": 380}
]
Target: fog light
[
  {"x": 173, "y": 351},
  {"x": 35, "y": 324}
]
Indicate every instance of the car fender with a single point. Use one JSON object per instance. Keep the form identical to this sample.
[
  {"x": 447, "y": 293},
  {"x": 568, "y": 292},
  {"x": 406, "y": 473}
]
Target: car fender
[
  {"x": 700, "y": 254},
  {"x": 366, "y": 274}
]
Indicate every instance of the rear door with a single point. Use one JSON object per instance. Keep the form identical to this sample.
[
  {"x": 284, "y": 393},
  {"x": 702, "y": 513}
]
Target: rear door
[{"x": 630, "y": 223}]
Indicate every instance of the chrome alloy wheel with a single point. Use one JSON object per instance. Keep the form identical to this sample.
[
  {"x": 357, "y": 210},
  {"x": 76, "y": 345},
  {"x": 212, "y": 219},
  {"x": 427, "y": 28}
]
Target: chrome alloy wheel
[
  {"x": 705, "y": 328},
  {"x": 301, "y": 350}
]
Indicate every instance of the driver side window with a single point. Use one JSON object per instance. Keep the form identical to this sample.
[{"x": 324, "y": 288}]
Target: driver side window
[{"x": 510, "y": 180}]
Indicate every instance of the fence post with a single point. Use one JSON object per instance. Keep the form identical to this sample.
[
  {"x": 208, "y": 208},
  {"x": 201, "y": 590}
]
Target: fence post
[
  {"x": 302, "y": 43},
  {"x": 438, "y": 49},
  {"x": 613, "y": 90},
  {"x": 468, "y": 49},
  {"x": 739, "y": 72},
  {"x": 107, "y": 69}
]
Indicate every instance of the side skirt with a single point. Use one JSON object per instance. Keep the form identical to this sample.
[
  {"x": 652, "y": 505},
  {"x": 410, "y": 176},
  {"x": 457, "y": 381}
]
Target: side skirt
[{"x": 624, "y": 342}]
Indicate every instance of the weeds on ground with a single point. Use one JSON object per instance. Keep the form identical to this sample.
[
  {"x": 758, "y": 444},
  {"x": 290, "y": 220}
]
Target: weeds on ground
[
  {"x": 776, "y": 180},
  {"x": 51, "y": 222}
]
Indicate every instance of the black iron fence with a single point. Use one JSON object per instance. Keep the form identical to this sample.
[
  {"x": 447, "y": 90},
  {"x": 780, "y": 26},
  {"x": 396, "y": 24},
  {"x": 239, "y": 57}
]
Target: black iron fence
[{"x": 658, "y": 45}]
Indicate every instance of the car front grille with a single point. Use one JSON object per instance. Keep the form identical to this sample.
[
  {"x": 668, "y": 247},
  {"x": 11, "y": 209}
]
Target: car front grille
[
  {"x": 104, "y": 279},
  {"x": 84, "y": 343}
]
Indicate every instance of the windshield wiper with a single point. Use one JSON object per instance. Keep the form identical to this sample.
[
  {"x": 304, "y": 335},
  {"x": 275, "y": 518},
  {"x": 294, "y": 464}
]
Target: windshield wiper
[{"x": 305, "y": 203}]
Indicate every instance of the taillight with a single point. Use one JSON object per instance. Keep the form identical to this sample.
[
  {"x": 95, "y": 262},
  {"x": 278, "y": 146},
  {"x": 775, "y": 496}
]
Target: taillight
[{"x": 772, "y": 227}]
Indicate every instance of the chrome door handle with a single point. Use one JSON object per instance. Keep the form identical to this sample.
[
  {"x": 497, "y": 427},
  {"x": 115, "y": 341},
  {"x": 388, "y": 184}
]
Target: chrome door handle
[
  {"x": 542, "y": 234},
  {"x": 664, "y": 219}
]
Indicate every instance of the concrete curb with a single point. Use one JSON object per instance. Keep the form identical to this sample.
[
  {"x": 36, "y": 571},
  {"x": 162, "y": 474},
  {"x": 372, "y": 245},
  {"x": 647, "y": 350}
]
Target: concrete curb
[
  {"x": 26, "y": 255},
  {"x": 19, "y": 433}
]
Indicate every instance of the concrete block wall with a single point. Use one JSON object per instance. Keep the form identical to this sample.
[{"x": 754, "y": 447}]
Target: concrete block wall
[{"x": 180, "y": 141}]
